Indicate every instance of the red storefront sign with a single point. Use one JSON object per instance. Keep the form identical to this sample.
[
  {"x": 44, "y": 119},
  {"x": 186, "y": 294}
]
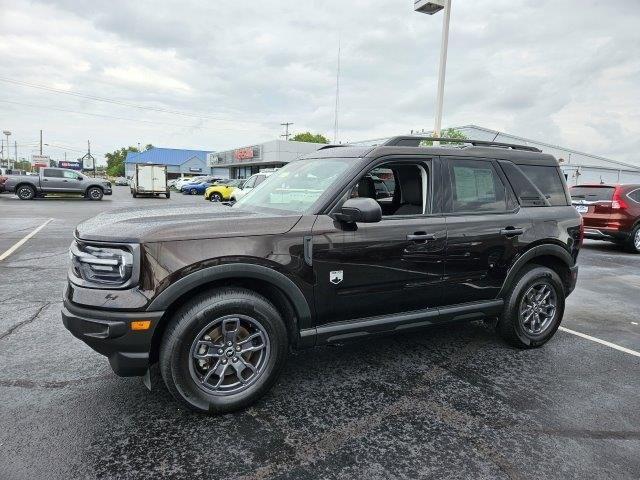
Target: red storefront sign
[{"x": 243, "y": 153}]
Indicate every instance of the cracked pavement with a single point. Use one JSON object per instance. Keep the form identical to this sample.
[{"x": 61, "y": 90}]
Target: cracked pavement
[{"x": 449, "y": 402}]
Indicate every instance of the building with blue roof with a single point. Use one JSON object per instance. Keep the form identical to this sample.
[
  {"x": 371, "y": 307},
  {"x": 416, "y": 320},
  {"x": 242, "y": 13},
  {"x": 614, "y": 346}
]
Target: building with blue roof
[{"x": 179, "y": 162}]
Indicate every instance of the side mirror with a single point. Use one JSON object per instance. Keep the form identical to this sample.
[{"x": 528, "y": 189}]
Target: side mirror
[
  {"x": 363, "y": 210},
  {"x": 80, "y": 178}
]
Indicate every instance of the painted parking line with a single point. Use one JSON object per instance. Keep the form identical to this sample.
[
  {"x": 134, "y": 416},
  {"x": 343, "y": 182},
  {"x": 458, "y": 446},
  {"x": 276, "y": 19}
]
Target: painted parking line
[
  {"x": 602, "y": 342},
  {"x": 24, "y": 240}
]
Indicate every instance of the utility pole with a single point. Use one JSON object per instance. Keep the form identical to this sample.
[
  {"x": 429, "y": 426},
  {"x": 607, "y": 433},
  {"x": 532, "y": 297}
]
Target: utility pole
[
  {"x": 40, "y": 142},
  {"x": 286, "y": 134},
  {"x": 94, "y": 160},
  {"x": 335, "y": 124},
  {"x": 15, "y": 152}
]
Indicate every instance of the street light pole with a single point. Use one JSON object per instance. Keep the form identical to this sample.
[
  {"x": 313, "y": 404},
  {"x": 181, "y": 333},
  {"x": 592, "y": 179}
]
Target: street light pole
[
  {"x": 7, "y": 133},
  {"x": 431, "y": 7}
]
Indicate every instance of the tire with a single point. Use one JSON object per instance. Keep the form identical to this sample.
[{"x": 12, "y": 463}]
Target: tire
[
  {"x": 633, "y": 244},
  {"x": 513, "y": 325},
  {"x": 215, "y": 197},
  {"x": 134, "y": 194},
  {"x": 193, "y": 191},
  {"x": 168, "y": 194},
  {"x": 26, "y": 192},
  {"x": 203, "y": 316},
  {"x": 94, "y": 193}
]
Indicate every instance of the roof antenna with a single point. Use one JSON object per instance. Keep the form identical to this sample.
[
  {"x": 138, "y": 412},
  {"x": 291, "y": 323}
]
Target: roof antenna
[{"x": 335, "y": 123}]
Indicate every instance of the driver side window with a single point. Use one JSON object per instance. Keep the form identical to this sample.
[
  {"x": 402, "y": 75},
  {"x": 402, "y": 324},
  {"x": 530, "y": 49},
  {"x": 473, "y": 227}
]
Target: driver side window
[
  {"x": 69, "y": 174},
  {"x": 399, "y": 188}
]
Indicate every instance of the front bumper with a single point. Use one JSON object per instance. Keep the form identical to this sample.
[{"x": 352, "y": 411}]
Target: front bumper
[{"x": 109, "y": 333}]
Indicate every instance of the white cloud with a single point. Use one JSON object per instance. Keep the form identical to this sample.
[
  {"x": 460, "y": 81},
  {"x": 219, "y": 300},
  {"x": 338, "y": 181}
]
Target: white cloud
[{"x": 555, "y": 71}]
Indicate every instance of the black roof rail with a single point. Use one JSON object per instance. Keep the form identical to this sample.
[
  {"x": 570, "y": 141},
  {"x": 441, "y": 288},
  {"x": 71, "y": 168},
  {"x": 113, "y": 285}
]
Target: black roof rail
[
  {"x": 333, "y": 145},
  {"x": 414, "y": 141}
]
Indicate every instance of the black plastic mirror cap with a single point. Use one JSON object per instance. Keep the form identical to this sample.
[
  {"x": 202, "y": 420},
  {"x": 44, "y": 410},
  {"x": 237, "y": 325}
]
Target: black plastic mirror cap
[{"x": 360, "y": 210}]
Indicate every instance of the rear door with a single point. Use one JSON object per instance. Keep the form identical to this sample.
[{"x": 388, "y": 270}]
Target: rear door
[
  {"x": 145, "y": 178},
  {"x": 53, "y": 180},
  {"x": 486, "y": 230},
  {"x": 159, "y": 179}
]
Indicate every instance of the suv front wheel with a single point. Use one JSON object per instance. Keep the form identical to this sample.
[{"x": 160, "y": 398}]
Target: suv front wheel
[
  {"x": 223, "y": 350},
  {"x": 533, "y": 308}
]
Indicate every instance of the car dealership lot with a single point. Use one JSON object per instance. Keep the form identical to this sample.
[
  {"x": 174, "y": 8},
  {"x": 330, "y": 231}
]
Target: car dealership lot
[{"x": 451, "y": 401}]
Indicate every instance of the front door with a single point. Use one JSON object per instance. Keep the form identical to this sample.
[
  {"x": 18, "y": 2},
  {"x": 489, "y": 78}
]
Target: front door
[
  {"x": 392, "y": 266},
  {"x": 53, "y": 180},
  {"x": 486, "y": 230}
]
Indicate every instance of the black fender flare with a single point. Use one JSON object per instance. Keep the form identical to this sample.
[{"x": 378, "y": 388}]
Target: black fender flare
[
  {"x": 537, "y": 251},
  {"x": 237, "y": 270}
]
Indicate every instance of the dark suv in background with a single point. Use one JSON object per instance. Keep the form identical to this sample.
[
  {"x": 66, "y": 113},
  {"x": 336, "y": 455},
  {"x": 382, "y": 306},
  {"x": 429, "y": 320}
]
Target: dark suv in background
[
  {"x": 316, "y": 255},
  {"x": 610, "y": 212}
]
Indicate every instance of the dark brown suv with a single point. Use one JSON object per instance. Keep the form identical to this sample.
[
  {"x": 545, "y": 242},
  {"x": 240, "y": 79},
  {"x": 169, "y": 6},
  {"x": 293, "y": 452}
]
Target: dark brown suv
[
  {"x": 610, "y": 212},
  {"x": 217, "y": 295}
]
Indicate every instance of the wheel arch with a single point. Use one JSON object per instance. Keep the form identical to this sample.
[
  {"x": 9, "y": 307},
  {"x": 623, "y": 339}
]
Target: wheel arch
[
  {"x": 273, "y": 285},
  {"x": 550, "y": 255},
  {"x": 92, "y": 186},
  {"x": 25, "y": 184}
]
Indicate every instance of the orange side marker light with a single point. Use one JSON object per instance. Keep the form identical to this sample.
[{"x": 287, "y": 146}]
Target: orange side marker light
[{"x": 141, "y": 325}]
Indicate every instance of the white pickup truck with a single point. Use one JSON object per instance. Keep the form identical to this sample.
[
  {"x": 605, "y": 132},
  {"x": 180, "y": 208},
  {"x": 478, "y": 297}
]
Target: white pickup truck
[{"x": 149, "y": 180}]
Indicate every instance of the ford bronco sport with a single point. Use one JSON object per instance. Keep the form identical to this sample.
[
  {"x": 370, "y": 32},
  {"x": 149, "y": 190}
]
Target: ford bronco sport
[{"x": 216, "y": 295}]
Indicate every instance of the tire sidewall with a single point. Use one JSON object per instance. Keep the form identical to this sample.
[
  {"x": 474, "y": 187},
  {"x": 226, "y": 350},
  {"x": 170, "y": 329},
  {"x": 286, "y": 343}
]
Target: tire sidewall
[
  {"x": 512, "y": 310},
  {"x": 632, "y": 246},
  {"x": 93, "y": 189},
  {"x": 176, "y": 349},
  {"x": 215, "y": 197},
  {"x": 23, "y": 188}
]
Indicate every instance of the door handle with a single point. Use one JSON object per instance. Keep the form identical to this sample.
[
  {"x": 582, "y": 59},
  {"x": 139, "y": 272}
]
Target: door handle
[
  {"x": 420, "y": 237},
  {"x": 511, "y": 231}
]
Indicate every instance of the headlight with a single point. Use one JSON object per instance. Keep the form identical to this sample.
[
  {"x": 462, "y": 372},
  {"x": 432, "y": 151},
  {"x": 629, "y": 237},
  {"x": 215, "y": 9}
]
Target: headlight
[{"x": 102, "y": 265}]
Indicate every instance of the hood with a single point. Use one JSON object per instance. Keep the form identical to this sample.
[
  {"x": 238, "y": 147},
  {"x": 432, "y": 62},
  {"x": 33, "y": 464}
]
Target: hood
[{"x": 161, "y": 224}]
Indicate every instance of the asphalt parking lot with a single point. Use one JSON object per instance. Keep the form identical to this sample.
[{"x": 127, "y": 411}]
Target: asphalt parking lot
[{"x": 451, "y": 402}]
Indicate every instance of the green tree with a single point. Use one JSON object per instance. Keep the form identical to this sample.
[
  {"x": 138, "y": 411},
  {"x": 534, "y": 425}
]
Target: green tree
[
  {"x": 310, "y": 138},
  {"x": 446, "y": 133},
  {"x": 116, "y": 159},
  {"x": 22, "y": 165}
]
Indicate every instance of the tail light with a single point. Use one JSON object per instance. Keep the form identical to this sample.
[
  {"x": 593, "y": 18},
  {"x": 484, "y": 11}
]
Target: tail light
[
  {"x": 617, "y": 203},
  {"x": 3, "y": 179}
]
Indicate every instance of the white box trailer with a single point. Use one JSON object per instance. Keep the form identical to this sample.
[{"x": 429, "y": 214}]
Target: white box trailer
[{"x": 149, "y": 180}]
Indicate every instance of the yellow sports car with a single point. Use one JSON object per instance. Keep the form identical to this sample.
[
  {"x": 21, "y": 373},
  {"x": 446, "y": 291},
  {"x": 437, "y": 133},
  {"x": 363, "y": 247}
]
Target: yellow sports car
[{"x": 222, "y": 191}]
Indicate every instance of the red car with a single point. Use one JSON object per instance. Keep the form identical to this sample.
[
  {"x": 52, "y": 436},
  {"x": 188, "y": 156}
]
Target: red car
[{"x": 610, "y": 212}]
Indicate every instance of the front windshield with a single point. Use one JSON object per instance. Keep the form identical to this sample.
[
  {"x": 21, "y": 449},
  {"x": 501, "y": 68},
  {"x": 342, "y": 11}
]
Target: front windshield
[{"x": 296, "y": 186}]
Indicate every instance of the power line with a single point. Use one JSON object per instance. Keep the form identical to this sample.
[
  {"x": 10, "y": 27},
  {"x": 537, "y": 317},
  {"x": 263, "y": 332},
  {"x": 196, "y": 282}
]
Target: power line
[
  {"x": 202, "y": 116},
  {"x": 96, "y": 114}
]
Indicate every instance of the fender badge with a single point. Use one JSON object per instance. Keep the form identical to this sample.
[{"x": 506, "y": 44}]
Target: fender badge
[{"x": 335, "y": 277}]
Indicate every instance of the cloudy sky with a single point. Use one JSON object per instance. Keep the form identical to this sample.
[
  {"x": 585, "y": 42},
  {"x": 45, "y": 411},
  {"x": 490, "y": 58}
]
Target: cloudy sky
[{"x": 221, "y": 74}]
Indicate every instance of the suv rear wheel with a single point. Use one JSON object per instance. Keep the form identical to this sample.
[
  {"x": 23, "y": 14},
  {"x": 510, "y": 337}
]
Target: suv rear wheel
[
  {"x": 633, "y": 244},
  {"x": 223, "y": 350},
  {"x": 94, "y": 193},
  {"x": 26, "y": 192},
  {"x": 533, "y": 308}
]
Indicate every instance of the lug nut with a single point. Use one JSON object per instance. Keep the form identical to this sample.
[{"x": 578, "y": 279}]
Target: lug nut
[
  {"x": 224, "y": 360},
  {"x": 220, "y": 351},
  {"x": 237, "y": 348},
  {"x": 207, "y": 337},
  {"x": 229, "y": 344},
  {"x": 234, "y": 360}
]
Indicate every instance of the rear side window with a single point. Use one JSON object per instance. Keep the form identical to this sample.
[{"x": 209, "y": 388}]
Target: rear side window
[
  {"x": 592, "y": 194},
  {"x": 548, "y": 181},
  {"x": 476, "y": 187},
  {"x": 635, "y": 195},
  {"x": 48, "y": 172}
]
